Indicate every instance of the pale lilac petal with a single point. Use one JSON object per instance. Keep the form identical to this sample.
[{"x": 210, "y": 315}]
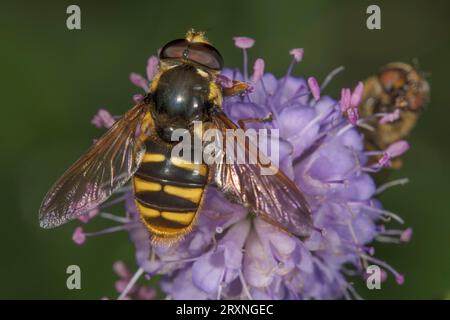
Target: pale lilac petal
[
  {"x": 362, "y": 188},
  {"x": 233, "y": 74},
  {"x": 208, "y": 272},
  {"x": 281, "y": 241},
  {"x": 258, "y": 70},
  {"x": 257, "y": 265},
  {"x": 181, "y": 287},
  {"x": 294, "y": 92},
  {"x": 224, "y": 81},
  {"x": 233, "y": 242},
  {"x": 244, "y": 110},
  {"x": 355, "y": 140},
  {"x": 263, "y": 89},
  {"x": 306, "y": 261},
  {"x": 299, "y": 128}
]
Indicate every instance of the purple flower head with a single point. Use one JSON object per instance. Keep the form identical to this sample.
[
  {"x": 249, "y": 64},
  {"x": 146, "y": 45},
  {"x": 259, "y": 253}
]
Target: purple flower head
[{"x": 230, "y": 254}]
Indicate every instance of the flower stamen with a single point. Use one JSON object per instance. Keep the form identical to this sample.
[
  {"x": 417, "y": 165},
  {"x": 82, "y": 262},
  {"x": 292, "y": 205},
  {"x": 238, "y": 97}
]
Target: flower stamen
[
  {"x": 244, "y": 285},
  {"x": 394, "y": 183},
  {"x": 131, "y": 283}
]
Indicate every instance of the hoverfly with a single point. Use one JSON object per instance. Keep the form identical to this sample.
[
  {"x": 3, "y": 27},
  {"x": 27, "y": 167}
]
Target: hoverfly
[
  {"x": 169, "y": 191},
  {"x": 398, "y": 87}
]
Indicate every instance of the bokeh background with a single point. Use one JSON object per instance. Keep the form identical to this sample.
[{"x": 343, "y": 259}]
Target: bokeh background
[{"x": 53, "y": 80}]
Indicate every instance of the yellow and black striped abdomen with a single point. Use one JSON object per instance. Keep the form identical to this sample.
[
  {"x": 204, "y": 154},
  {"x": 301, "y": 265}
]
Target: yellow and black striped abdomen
[{"x": 168, "y": 192}]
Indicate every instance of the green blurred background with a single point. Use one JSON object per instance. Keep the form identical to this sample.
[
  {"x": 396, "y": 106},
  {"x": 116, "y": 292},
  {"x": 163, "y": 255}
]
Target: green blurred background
[{"x": 53, "y": 81}]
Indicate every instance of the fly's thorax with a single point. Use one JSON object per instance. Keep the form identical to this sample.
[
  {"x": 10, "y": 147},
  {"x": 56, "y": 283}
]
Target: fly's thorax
[{"x": 181, "y": 97}]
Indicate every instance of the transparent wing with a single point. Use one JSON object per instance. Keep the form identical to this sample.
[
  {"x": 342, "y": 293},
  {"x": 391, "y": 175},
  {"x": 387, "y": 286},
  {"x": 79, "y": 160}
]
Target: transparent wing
[
  {"x": 275, "y": 198},
  {"x": 105, "y": 167}
]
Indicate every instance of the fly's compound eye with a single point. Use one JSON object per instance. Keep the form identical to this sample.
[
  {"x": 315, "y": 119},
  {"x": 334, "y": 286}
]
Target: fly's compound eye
[
  {"x": 176, "y": 49},
  {"x": 206, "y": 55},
  {"x": 393, "y": 79},
  {"x": 201, "y": 53}
]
